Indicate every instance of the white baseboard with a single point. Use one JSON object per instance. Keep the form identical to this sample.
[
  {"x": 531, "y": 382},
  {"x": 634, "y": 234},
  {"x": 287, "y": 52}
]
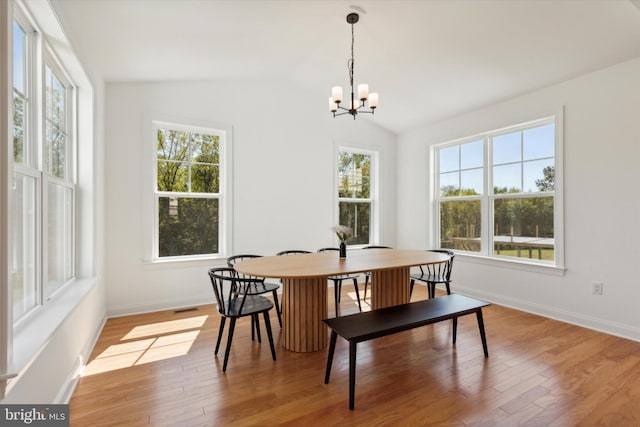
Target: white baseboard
[
  {"x": 69, "y": 386},
  {"x": 157, "y": 305},
  {"x": 589, "y": 322}
]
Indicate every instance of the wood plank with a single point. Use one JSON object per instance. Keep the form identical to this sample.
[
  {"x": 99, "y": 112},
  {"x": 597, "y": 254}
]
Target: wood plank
[{"x": 411, "y": 378}]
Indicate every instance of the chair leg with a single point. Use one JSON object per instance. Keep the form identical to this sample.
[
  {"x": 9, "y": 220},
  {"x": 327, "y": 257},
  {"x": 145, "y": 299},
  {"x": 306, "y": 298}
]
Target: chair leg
[
  {"x": 413, "y": 282},
  {"x": 277, "y": 304},
  {"x": 432, "y": 290},
  {"x": 257, "y": 323},
  {"x": 220, "y": 331},
  {"x": 355, "y": 285},
  {"x": 232, "y": 326},
  {"x": 366, "y": 283},
  {"x": 336, "y": 290},
  {"x": 448, "y": 288},
  {"x": 267, "y": 324}
]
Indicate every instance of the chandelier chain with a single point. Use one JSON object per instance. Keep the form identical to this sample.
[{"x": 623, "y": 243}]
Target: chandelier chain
[{"x": 350, "y": 62}]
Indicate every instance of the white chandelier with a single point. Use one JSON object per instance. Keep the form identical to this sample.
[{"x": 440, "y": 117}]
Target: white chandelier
[{"x": 356, "y": 105}]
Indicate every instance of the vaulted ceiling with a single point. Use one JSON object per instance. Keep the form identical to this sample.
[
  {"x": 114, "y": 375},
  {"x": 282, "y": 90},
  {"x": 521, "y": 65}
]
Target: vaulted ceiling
[{"x": 428, "y": 60}]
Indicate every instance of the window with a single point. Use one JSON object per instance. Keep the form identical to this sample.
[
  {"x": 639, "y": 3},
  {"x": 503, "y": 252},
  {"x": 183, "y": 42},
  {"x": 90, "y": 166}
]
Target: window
[
  {"x": 356, "y": 194},
  {"x": 60, "y": 189},
  {"x": 189, "y": 196},
  {"x": 43, "y": 197},
  {"x": 497, "y": 193}
]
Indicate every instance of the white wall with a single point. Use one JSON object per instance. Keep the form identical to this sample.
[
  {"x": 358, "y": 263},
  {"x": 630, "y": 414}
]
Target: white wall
[
  {"x": 283, "y": 179},
  {"x": 601, "y": 203}
]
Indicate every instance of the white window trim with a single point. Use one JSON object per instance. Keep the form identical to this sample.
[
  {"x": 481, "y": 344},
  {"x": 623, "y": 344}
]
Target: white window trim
[
  {"x": 149, "y": 172},
  {"x": 374, "y": 196},
  {"x": 433, "y": 229}
]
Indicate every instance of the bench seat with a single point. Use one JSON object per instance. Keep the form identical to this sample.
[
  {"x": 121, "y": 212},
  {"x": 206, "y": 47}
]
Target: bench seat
[{"x": 373, "y": 324}]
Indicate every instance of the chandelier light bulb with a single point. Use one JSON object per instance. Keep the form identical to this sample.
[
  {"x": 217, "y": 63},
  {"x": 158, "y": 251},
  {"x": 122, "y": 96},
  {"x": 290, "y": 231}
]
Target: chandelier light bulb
[
  {"x": 333, "y": 107},
  {"x": 336, "y": 94},
  {"x": 373, "y": 100},
  {"x": 363, "y": 91}
]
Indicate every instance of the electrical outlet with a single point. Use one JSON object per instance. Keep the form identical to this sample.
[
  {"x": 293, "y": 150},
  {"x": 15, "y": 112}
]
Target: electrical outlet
[{"x": 596, "y": 288}]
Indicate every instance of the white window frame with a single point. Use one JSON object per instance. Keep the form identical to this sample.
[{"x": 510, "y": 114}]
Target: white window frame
[
  {"x": 69, "y": 182},
  {"x": 373, "y": 200},
  {"x": 30, "y": 166},
  {"x": 224, "y": 131},
  {"x": 39, "y": 54},
  {"x": 487, "y": 198}
]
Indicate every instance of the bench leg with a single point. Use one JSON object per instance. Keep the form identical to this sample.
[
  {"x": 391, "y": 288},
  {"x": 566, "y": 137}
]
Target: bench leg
[
  {"x": 332, "y": 347},
  {"x": 483, "y": 336},
  {"x": 455, "y": 329},
  {"x": 352, "y": 373}
]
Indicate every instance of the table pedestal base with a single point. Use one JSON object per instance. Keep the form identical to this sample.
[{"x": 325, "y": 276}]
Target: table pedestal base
[
  {"x": 304, "y": 305},
  {"x": 396, "y": 287}
]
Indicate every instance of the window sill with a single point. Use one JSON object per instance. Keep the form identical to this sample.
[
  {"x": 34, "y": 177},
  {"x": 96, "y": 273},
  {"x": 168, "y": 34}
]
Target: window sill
[
  {"x": 32, "y": 335},
  {"x": 514, "y": 264},
  {"x": 187, "y": 262}
]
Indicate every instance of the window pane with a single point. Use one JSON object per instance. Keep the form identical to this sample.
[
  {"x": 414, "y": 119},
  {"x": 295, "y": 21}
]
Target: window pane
[
  {"x": 18, "y": 128},
  {"x": 450, "y": 159},
  {"x": 24, "y": 227},
  {"x": 539, "y": 142},
  {"x": 59, "y": 237},
  {"x": 538, "y": 175},
  {"x": 507, "y": 178},
  {"x": 58, "y": 104},
  {"x": 357, "y": 216},
  {"x": 56, "y": 135},
  {"x": 187, "y": 226},
  {"x": 173, "y": 145},
  {"x": 19, "y": 57},
  {"x": 188, "y": 162},
  {"x": 173, "y": 176},
  {"x": 205, "y": 179},
  {"x": 56, "y": 145},
  {"x": 524, "y": 228},
  {"x": 460, "y": 225},
  {"x": 354, "y": 175},
  {"x": 472, "y": 155},
  {"x": 471, "y": 182},
  {"x": 507, "y": 148},
  {"x": 450, "y": 184},
  {"x": 205, "y": 148},
  {"x": 19, "y": 92}
]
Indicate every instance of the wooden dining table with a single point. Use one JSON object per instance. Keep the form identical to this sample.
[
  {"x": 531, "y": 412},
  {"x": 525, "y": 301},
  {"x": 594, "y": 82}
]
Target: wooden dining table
[{"x": 304, "y": 280}]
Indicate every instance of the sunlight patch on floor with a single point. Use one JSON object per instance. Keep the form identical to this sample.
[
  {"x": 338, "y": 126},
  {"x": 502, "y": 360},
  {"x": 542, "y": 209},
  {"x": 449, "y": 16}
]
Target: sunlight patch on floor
[{"x": 161, "y": 342}]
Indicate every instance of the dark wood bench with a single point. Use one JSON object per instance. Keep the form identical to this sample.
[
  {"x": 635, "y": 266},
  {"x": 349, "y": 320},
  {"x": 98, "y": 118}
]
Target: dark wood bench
[{"x": 366, "y": 326}]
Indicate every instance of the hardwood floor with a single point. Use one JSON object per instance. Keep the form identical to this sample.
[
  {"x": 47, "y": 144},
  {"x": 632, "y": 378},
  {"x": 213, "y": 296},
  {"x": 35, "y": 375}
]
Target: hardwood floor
[{"x": 159, "y": 369}]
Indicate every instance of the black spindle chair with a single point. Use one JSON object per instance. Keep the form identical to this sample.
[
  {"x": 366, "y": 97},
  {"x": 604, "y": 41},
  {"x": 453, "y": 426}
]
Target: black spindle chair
[
  {"x": 234, "y": 302},
  {"x": 337, "y": 282},
  {"x": 433, "y": 274},
  {"x": 257, "y": 287}
]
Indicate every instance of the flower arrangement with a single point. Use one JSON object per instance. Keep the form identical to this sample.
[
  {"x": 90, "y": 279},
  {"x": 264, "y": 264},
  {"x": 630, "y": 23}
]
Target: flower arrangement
[{"x": 343, "y": 232}]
